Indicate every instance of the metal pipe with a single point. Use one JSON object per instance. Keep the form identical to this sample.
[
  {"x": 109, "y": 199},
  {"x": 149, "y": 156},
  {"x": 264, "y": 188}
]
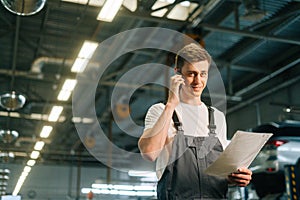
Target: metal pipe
[
  {"x": 249, "y": 34},
  {"x": 249, "y": 101},
  {"x": 14, "y": 61},
  {"x": 266, "y": 78}
]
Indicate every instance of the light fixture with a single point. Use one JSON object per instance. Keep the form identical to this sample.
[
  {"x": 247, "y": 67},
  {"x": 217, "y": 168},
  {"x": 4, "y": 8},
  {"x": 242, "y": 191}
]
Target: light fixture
[
  {"x": 86, "y": 52},
  {"x": 3, "y": 183},
  {"x": 8, "y": 136},
  {"x": 27, "y": 169},
  {"x": 45, "y": 132},
  {"x": 127, "y": 190},
  {"x": 39, "y": 145},
  {"x": 4, "y": 171},
  {"x": 141, "y": 173},
  {"x": 6, "y": 157},
  {"x": 31, "y": 163},
  {"x": 34, "y": 154},
  {"x": 67, "y": 89},
  {"x": 182, "y": 11},
  {"x": 12, "y": 101},
  {"x": 79, "y": 65},
  {"x": 109, "y": 10},
  {"x": 4, "y": 177},
  {"x": 24, "y": 7},
  {"x": 55, "y": 113},
  {"x": 21, "y": 179}
]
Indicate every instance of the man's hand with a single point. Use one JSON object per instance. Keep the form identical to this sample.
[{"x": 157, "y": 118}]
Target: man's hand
[
  {"x": 240, "y": 178},
  {"x": 175, "y": 83}
]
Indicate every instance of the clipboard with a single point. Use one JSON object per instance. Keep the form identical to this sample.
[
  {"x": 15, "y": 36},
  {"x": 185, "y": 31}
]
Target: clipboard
[{"x": 240, "y": 152}]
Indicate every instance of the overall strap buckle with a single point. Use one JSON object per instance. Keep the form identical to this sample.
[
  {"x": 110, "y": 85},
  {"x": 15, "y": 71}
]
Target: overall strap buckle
[
  {"x": 177, "y": 123},
  {"x": 211, "y": 126}
]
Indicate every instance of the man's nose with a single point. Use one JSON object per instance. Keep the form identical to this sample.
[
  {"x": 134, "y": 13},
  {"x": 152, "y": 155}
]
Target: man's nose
[{"x": 197, "y": 78}]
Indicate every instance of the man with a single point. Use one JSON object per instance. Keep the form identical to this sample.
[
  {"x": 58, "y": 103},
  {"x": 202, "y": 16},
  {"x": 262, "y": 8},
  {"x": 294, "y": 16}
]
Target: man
[{"x": 184, "y": 136}]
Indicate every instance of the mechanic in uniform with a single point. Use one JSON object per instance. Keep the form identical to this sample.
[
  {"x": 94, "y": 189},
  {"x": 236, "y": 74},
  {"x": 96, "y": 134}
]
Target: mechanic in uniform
[{"x": 184, "y": 136}]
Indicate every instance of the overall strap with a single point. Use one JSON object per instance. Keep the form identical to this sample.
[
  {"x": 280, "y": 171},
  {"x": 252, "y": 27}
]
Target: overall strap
[
  {"x": 177, "y": 123},
  {"x": 211, "y": 126}
]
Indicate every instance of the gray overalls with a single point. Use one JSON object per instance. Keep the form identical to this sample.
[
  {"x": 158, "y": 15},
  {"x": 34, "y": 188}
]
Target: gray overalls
[{"x": 183, "y": 178}]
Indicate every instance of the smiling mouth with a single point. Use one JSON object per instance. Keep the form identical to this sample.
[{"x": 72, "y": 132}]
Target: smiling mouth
[{"x": 196, "y": 87}]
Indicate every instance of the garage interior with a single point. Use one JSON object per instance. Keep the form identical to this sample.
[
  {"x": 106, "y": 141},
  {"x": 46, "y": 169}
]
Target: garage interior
[{"x": 92, "y": 137}]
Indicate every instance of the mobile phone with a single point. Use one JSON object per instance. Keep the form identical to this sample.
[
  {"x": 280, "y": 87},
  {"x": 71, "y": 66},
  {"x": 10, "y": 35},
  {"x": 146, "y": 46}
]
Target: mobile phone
[{"x": 179, "y": 73}]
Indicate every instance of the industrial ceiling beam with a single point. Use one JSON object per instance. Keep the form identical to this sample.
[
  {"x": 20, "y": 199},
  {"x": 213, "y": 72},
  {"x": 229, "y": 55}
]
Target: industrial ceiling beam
[
  {"x": 263, "y": 94},
  {"x": 257, "y": 35}
]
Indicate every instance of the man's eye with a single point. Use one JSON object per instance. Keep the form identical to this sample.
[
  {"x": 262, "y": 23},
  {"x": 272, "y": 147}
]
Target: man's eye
[{"x": 203, "y": 74}]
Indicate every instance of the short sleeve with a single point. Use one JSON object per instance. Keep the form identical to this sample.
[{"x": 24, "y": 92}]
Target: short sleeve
[{"x": 153, "y": 114}]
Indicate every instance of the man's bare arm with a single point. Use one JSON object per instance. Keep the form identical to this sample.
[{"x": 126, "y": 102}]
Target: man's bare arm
[{"x": 154, "y": 139}]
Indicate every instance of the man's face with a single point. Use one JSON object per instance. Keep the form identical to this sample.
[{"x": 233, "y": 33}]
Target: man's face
[{"x": 195, "y": 75}]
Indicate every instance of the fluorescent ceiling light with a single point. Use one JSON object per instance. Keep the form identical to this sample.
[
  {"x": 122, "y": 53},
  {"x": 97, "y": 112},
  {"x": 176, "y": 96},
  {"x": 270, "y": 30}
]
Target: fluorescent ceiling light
[
  {"x": 64, "y": 95},
  {"x": 79, "y": 65},
  {"x": 182, "y": 11},
  {"x": 130, "y": 5},
  {"x": 109, "y": 10},
  {"x": 55, "y": 112},
  {"x": 27, "y": 169},
  {"x": 69, "y": 84},
  {"x": 128, "y": 190},
  {"x": 148, "y": 179},
  {"x": 34, "y": 154},
  {"x": 159, "y": 13},
  {"x": 166, "y": 1},
  {"x": 83, "y": 120},
  {"x": 147, "y": 187},
  {"x": 18, "y": 185},
  {"x": 67, "y": 89},
  {"x": 185, "y": 3},
  {"x": 141, "y": 173},
  {"x": 46, "y": 131},
  {"x": 144, "y": 187},
  {"x": 159, "y": 4},
  {"x": 31, "y": 162},
  {"x": 24, "y": 174},
  {"x": 39, "y": 145},
  {"x": 119, "y": 192},
  {"x": 87, "y": 50}
]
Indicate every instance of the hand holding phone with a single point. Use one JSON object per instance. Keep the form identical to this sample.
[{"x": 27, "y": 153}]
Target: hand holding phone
[
  {"x": 176, "y": 82},
  {"x": 179, "y": 73}
]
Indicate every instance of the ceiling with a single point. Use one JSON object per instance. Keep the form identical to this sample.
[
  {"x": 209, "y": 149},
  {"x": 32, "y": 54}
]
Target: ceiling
[{"x": 255, "y": 56}]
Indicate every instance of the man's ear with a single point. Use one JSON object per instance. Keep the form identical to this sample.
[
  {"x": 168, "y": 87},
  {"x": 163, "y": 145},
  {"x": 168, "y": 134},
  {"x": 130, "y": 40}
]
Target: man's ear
[{"x": 177, "y": 70}]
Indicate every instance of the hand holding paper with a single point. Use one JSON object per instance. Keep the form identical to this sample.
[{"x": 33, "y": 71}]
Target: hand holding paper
[{"x": 241, "y": 151}]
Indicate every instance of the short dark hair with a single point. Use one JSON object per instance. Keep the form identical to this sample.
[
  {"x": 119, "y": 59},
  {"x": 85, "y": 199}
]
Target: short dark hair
[{"x": 191, "y": 53}]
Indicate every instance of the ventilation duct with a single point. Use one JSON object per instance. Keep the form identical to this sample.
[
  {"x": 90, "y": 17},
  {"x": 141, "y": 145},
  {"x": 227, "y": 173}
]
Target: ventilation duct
[{"x": 23, "y": 7}]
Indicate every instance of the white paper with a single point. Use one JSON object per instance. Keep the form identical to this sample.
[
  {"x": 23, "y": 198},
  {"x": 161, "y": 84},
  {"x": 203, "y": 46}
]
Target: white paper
[{"x": 240, "y": 152}]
